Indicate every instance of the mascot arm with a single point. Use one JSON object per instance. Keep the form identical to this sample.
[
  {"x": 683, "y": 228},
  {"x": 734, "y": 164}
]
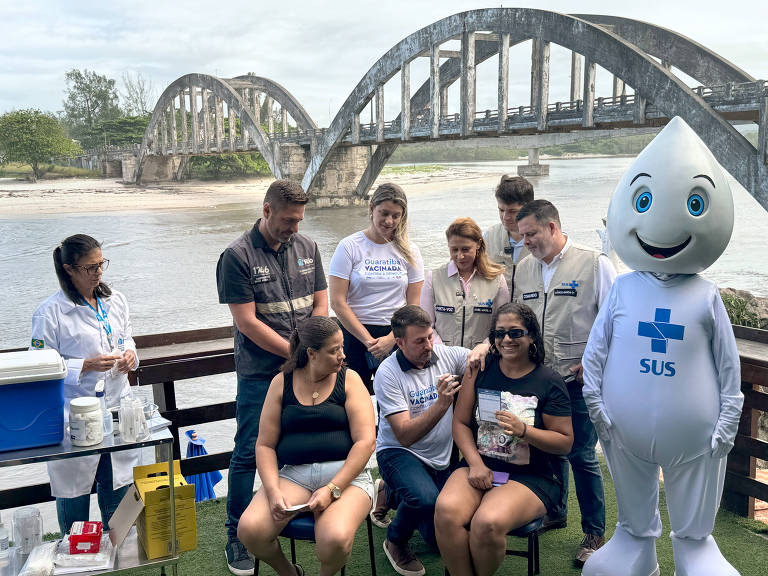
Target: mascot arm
[
  {"x": 728, "y": 365},
  {"x": 593, "y": 362}
]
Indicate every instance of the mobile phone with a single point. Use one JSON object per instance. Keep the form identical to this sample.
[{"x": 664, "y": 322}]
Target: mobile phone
[
  {"x": 499, "y": 478},
  {"x": 570, "y": 378}
]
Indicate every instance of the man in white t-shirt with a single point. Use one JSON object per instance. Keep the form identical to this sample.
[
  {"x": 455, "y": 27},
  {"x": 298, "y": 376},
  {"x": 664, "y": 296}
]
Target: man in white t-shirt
[{"x": 415, "y": 388}]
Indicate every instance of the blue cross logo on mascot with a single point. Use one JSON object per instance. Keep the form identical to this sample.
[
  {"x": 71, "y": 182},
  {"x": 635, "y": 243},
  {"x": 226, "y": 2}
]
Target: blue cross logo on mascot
[{"x": 670, "y": 217}]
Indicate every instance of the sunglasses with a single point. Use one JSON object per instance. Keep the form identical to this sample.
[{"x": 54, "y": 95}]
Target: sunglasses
[{"x": 513, "y": 333}]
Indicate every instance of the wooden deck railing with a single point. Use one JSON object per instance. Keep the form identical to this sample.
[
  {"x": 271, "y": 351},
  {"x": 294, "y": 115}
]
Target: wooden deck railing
[
  {"x": 169, "y": 358},
  {"x": 741, "y": 487}
]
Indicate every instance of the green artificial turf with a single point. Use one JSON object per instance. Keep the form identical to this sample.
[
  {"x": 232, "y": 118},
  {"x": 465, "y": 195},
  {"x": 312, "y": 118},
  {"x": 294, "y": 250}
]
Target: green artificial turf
[{"x": 743, "y": 542}]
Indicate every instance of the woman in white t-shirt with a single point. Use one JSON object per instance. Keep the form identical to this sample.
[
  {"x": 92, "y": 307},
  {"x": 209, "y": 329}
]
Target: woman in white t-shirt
[{"x": 373, "y": 273}]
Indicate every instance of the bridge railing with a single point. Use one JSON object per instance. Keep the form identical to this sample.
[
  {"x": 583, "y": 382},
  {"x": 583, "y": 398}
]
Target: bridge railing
[
  {"x": 173, "y": 357},
  {"x": 484, "y": 120}
]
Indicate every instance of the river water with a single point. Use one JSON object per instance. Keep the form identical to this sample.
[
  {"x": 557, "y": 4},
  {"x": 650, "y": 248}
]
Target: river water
[{"x": 165, "y": 261}]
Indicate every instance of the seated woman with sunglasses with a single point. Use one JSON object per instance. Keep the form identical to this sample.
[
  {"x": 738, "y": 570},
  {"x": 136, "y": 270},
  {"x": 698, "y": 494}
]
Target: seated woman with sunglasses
[
  {"x": 318, "y": 422},
  {"x": 87, "y": 322},
  {"x": 509, "y": 423}
]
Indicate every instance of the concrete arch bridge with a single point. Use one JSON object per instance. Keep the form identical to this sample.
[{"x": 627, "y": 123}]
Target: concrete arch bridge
[{"x": 202, "y": 114}]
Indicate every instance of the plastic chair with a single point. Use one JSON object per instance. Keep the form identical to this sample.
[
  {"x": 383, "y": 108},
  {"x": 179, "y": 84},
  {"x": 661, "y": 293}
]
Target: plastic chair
[
  {"x": 302, "y": 527},
  {"x": 531, "y": 532}
]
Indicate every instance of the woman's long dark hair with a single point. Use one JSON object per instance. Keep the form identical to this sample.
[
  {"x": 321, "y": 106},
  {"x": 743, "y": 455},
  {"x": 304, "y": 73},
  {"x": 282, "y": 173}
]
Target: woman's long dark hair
[
  {"x": 314, "y": 333},
  {"x": 528, "y": 318},
  {"x": 70, "y": 251}
]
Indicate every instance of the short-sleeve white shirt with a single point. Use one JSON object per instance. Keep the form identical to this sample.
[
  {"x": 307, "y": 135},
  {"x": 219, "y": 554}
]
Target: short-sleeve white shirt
[
  {"x": 414, "y": 391},
  {"x": 378, "y": 276}
]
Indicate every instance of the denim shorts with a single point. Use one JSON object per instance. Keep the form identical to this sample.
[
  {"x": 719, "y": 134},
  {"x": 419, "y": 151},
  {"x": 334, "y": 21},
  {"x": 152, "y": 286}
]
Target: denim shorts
[{"x": 316, "y": 475}]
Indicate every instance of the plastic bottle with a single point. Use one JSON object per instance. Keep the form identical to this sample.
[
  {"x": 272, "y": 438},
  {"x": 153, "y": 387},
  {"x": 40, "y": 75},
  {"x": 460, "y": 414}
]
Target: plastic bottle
[
  {"x": 3, "y": 542},
  {"x": 105, "y": 413}
]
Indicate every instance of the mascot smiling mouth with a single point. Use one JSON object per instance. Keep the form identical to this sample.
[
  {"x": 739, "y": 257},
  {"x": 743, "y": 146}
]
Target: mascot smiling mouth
[{"x": 662, "y": 253}]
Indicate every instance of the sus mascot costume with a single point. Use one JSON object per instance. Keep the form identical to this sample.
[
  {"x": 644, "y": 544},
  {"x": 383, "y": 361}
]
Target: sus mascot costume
[{"x": 662, "y": 378}]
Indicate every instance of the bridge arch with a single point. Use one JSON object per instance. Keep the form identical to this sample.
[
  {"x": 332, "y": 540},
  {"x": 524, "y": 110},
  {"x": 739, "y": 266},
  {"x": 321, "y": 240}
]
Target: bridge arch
[
  {"x": 650, "y": 80},
  {"x": 217, "y": 132},
  {"x": 697, "y": 61},
  {"x": 278, "y": 94},
  {"x": 165, "y": 108}
]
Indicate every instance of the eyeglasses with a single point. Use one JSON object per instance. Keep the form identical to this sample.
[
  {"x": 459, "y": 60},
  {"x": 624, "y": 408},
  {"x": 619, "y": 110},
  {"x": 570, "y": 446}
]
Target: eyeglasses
[
  {"x": 513, "y": 333},
  {"x": 93, "y": 268}
]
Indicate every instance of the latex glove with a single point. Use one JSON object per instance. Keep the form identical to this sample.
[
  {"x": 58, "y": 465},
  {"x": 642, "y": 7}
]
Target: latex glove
[{"x": 720, "y": 447}]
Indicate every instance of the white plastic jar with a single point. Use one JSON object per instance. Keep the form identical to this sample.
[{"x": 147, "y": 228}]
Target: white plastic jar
[{"x": 86, "y": 427}]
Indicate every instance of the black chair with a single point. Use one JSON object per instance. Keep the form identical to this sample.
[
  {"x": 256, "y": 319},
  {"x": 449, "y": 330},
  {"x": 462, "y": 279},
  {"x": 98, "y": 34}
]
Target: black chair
[
  {"x": 531, "y": 532},
  {"x": 302, "y": 527}
]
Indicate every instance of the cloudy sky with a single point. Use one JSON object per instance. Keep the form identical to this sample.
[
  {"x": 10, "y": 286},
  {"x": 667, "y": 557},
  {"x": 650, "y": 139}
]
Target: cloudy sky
[{"x": 317, "y": 50}]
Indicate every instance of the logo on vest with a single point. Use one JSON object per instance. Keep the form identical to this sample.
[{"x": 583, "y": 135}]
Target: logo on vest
[
  {"x": 261, "y": 274},
  {"x": 568, "y": 290},
  {"x": 530, "y": 295},
  {"x": 305, "y": 261},
  {"x": 660, "y": 331},
  {"x": 485, "y": 307},
  {"x": 447, "y": 309}
]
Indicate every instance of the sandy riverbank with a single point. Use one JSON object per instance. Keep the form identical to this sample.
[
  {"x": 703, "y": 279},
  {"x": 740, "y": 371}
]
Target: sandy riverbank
[{"x": 19, "y": 198}]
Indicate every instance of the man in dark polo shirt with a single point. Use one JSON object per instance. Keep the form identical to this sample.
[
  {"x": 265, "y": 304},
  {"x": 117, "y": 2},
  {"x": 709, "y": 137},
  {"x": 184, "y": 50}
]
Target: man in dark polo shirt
[{"x": 272, "y": 278}]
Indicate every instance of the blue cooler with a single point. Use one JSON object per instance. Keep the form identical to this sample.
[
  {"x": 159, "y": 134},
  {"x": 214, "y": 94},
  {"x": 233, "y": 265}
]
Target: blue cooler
[{"x": 31, "y": 399}]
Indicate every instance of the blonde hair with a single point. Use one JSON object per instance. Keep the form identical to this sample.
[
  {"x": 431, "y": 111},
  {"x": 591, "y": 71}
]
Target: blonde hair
[
  {"x": 468, "y": 228},
  {"x": 389, "y": 192}
]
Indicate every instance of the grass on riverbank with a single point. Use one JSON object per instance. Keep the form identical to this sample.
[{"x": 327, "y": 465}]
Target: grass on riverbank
[
  {"x": 412, "y": 169},
  {"x": 742, "y": 541},
  {"x": 49, "y": 171}
]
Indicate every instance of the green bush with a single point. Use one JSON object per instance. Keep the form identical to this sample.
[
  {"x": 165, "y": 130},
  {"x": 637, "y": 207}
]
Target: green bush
[
  {"x": 228, "y": 166},
  {"x": 740, "y": 312}
]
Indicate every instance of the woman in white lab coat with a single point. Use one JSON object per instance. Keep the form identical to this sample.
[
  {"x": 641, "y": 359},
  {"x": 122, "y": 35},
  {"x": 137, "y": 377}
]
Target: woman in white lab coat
[{"x": 88, "y": 324}]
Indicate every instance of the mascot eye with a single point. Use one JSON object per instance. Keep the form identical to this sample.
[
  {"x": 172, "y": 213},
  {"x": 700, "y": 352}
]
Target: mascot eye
[
  {"x": 695, "y": 204},
  {"x": 643, "y": 202}
]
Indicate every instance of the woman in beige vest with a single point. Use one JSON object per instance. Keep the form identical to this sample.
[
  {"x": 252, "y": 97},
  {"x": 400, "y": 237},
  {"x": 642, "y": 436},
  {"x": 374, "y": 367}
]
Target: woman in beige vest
[{"x": 462, "y": 295}]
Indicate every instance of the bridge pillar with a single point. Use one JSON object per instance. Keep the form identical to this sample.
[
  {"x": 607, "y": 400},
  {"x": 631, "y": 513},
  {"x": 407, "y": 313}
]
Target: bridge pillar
[
  {"x": 128, "y": 169},
  {"x": 575, "y": 76},
  {"x": 540, "y": 81},
  {"x": 762, "y": 133},
  {"x": 111, "y": 168},
  {"x": 337, "y": 182},
  {"x": 588, "y": 118},
  {"x": 156, "y": 168},
  {"x": 435, "y": 99},
  {"x": 533, "y": 168},
  {"x": 503, "y": 81}
]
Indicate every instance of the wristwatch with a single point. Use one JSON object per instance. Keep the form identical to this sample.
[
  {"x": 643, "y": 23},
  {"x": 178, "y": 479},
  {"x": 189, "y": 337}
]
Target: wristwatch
[{"x": 335, "y": 490}]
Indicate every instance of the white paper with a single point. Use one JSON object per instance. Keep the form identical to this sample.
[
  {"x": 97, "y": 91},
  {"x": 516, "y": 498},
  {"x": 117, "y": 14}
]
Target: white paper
[
  {"x": 298, "y": 508},
  {"x": 488, "y": 403}
]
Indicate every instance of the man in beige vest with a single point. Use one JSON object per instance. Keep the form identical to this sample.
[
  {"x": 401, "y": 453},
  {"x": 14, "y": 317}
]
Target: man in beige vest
[
  {"x": 504, "y": 241},
  {"x": 565, "y": 284}
]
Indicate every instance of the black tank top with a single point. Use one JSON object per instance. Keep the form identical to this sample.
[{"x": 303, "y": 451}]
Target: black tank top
[{"x": 318, "y": 433}]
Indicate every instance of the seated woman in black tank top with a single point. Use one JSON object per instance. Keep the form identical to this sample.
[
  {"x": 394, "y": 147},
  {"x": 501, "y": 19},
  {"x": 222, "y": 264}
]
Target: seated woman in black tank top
[
  {"x": 317, "y": 421},
  {"x": 509, "y": 423}
]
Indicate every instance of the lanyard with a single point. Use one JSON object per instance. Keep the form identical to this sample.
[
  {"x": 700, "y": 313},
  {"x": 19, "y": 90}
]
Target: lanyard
[{"x": 103, "y": 319}]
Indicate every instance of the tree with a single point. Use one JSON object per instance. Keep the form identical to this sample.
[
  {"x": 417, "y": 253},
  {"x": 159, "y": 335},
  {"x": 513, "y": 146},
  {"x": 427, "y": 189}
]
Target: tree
[
  {"x": 118, "y": 132},
  {"x": 33, "y": 137},
  {"x": 138, "y": 96},
  {"x": 91, "y": 99}
]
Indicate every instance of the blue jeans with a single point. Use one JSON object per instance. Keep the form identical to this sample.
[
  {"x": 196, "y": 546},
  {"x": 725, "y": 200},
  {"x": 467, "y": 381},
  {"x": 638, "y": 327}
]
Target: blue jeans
[
  {"x": 413, "y": 487},
  {"x": 76, "y": 509},
  {"x": 242, "y": 466},
  {"x": 586, "y": 469}
]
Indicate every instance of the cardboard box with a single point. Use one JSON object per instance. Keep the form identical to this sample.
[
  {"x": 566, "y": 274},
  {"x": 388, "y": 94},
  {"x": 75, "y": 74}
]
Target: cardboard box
[{"x": 146, "y": 503}]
